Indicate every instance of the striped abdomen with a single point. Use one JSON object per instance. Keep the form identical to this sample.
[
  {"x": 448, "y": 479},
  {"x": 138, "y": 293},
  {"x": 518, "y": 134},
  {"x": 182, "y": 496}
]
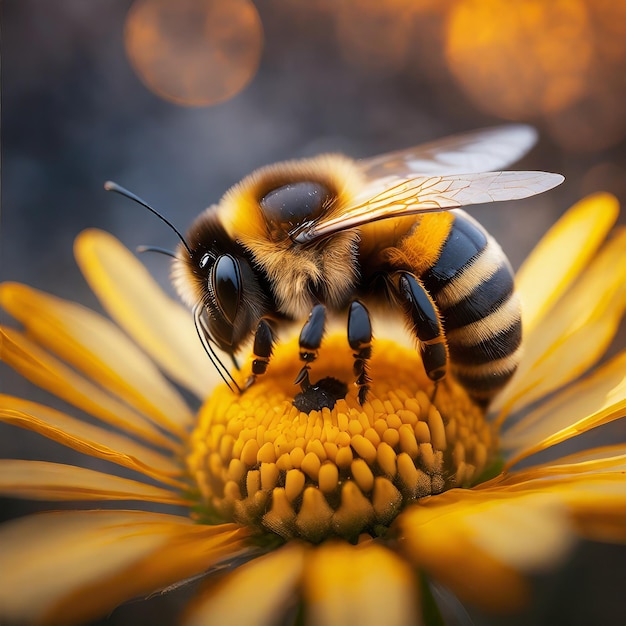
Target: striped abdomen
[{"x": 472, "y": 285}]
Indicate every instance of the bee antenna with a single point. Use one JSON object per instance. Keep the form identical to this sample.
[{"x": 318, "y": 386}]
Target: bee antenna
[
  {"x": 111, "y": 186},
  {"x": 141, "y": 249}
]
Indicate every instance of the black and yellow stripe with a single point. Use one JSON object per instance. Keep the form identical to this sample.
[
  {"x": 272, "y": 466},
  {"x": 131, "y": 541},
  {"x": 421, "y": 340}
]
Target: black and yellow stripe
[{"x": 472, "y": 284}]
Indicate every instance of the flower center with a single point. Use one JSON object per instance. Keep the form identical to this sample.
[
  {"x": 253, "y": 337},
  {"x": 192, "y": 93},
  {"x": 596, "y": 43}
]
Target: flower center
[{"x": 259, "y": 460}]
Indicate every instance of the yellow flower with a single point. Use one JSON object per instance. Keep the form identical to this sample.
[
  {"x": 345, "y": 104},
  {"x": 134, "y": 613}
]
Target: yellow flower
[{"x": 332, "y": 517}]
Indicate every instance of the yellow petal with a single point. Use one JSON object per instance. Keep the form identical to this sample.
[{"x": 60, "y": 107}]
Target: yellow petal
[
  {"x": 68, "y": 567},
  {"x": 260, "y": 592},
  {"x": 561, "y": 255},
  {"x": 162, "y": 327},
  {"x": 98, "y": 348},
  {"x": 603, "y": 521},
  {"x": 189, "y": 553},
  {"x": 479, "y": 545},
  {"x": 478, "y": 541},
  {"x": 576, "y": 333},
  {"x": 40, "y": 480},
  {"x": 88, "y": 439},
  {"x": 365, "y": 584},
  {"x": 594, "y": 501},
  {"x": 45, "y": 371},
  {"x": 597, "y": 399},
  {"x": 595, "y": 460}
]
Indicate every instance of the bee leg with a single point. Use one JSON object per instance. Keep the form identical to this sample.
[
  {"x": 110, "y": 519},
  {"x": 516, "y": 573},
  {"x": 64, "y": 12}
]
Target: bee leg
[
  {"x": 422, "y": 312},
  {"x": 310, "y": 340},
  {"x": 262, "y": 350},
  {"x": 360, "y": 340}
]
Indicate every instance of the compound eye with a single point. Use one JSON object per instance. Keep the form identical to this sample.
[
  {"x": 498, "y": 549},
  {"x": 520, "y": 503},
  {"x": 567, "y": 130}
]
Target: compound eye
[
  {"x": 295, "y": 203},
  {"x": 226, "y": 279}
]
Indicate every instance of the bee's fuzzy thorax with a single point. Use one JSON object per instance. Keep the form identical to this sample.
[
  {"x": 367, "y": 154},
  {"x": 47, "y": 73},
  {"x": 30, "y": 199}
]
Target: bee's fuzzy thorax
[
  {"x": 298, "y": 275},
  {"x": 239, "y": 209}
]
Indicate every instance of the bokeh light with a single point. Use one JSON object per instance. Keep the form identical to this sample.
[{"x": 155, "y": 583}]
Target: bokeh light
[
  {"x": 520, "y": 58},
  {"x": 194, "y": 52},
  {"x": 597, "y": 120}
]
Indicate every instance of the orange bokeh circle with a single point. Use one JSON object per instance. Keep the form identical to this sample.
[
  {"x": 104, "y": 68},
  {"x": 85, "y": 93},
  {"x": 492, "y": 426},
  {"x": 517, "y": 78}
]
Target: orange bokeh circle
[
  {"x": 520, "y": 58},
  {"x": 194, "y": 52}
]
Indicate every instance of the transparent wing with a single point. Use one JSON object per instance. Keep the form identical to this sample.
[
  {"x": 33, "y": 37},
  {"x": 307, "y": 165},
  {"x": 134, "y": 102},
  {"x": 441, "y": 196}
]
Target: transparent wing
[
  {"x": 484, "y": 150},
  {"x": 422, "y": 194}
]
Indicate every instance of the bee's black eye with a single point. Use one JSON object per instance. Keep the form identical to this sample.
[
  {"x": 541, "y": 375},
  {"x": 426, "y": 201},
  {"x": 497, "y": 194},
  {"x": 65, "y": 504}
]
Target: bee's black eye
[
  {"x": 295, "y": 203},
  {"x": 226, "y": 278}
]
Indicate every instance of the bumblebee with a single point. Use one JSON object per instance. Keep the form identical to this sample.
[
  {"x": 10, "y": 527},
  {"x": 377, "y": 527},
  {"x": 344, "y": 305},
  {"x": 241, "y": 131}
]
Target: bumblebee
[{"x": 334, "y": 236}]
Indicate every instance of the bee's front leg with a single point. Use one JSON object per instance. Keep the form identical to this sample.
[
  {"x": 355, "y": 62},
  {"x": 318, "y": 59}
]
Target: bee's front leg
[
  {"x": 360, "y": 340},
  {"x": 262, "y": 349},
  {"x": 310, "y": 341}
]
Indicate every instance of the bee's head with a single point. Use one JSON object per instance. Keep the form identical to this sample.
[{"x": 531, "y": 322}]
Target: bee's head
[{"x": 213, "y": 275}]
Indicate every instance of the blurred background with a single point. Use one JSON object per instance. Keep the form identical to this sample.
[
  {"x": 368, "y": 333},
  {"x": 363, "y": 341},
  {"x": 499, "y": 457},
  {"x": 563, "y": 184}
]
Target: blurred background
[{"x": 179, "y": 100}]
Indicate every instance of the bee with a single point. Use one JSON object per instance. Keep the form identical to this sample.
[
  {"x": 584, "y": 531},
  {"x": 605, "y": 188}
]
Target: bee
[{"x": 333, "y": 236}]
